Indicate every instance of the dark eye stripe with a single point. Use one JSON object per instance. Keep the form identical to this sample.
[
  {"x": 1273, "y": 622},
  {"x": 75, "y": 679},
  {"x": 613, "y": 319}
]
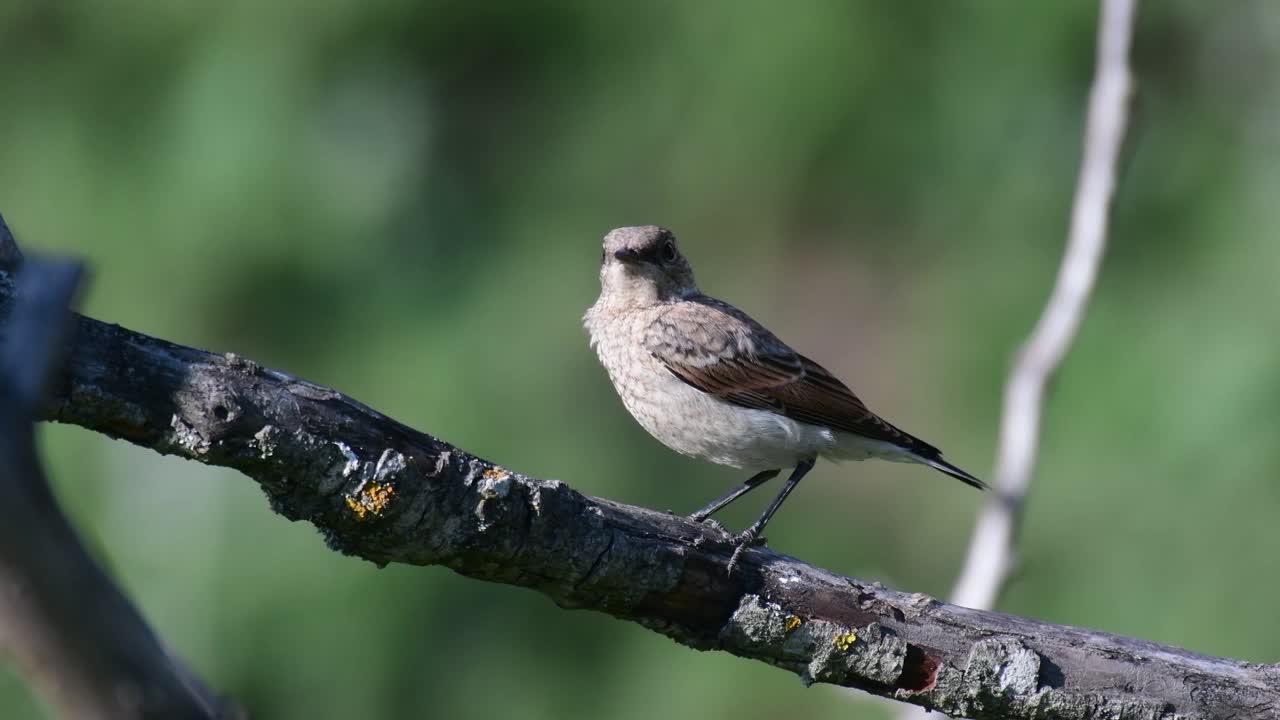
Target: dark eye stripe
[
  {"x": 650, "y": 254},
  {"x": 654, "y": 254}
]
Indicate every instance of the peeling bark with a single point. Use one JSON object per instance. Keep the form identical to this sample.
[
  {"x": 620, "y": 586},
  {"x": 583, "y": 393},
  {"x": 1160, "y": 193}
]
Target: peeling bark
[{"x": 384, "y": 492}]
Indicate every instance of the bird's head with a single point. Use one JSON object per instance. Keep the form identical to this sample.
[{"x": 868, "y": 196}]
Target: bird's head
[{"x": 643, "y": 263}]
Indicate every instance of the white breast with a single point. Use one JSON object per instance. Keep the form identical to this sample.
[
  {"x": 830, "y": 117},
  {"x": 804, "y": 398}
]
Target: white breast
[{"x": 690, "y": 421}]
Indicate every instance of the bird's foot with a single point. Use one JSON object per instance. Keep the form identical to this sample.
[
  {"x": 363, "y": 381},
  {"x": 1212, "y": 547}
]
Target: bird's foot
[
  {"x": 725, "y": 535},
  {"x": 741, "y": 543},
  {"x": 711, "y": 523}
]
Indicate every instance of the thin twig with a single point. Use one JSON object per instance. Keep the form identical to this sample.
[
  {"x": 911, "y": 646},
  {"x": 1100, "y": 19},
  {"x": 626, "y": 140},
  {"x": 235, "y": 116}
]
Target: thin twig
[
  {"x": 991, "y": 551},
  {"x": 991, "y": 555}
]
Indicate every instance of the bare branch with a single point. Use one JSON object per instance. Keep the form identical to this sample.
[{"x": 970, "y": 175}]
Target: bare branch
[
  {"x": 36, "y": 332},
  {"x": 71, "y": 632},
  {"x": 991, "y": 550},
  {"x": 384, "y": 492},
  {"x": 10, "y": 256}
]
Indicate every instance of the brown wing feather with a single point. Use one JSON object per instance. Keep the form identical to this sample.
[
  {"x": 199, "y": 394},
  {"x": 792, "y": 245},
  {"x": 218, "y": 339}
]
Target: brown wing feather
[
  {"x": 819, "y": 398},
  {"x": 719, "y": 350}
]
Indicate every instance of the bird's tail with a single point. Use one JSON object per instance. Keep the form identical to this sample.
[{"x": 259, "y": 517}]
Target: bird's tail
[
  {"x": 917, "y": 450},
  {"x": 937, "y": 463}
]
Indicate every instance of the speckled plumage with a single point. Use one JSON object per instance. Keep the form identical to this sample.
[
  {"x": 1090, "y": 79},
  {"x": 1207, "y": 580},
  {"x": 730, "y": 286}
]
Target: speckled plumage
[{"x": 708, "y": 381}]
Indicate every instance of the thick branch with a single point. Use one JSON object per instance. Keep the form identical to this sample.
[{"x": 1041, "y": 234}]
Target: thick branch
[
  {"x": 71, "y": 632},
  {"x": 384, "y": 492}
]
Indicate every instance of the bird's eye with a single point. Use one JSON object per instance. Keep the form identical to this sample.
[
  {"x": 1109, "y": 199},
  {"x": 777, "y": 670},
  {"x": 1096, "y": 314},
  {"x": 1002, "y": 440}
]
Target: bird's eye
[{"x": 668, "y": 253}]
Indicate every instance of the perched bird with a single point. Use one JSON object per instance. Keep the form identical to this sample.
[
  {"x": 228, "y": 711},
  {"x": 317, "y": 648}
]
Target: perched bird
[{"x": 708, "y": 381}]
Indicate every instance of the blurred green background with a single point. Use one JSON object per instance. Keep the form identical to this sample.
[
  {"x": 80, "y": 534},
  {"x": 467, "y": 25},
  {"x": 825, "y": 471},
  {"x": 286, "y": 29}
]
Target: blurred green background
[{"x": 404, "y": 200}]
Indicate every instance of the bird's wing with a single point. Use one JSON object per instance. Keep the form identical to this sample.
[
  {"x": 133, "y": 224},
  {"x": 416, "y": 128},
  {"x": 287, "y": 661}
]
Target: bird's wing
[{"x": 721, "y": 351}]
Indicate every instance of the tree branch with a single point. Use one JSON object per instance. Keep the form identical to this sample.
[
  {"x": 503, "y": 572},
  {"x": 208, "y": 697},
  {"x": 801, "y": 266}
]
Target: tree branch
[
  {"x": 10, "y": 256},
  {"x": 72, "y": 633},
  {"x": 384, "y": 492},
  {"x": 992, "y": 553},
  {"x": 990, "y": 558}
]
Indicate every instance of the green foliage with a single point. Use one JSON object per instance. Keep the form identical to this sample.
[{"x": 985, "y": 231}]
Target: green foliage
[{"x": 404, "y": 201}]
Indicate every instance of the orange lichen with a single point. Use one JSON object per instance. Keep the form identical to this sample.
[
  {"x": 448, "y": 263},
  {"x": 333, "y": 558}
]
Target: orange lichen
[
  {"x": 792, "y": 623},
  {"x": 494, "y": 473},
  {"x": 356, "y": 507},
  {"x": 372, "y": 498},
  {"x": 844, "y": 641}
]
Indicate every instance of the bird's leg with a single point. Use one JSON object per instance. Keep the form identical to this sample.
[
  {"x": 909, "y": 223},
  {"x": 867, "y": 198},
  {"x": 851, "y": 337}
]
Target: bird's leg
[
  {"x": 748, "y": 537},
  {"x": 746, "y": 487}
]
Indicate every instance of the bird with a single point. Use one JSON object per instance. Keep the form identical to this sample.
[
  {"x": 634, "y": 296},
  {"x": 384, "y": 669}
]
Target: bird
[{"x": 710, "y": 382}]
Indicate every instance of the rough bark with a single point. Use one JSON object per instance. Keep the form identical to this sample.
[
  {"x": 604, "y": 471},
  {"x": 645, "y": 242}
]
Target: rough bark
[
  {"x": 382, "y": 491},
  {"x": 80, "y": 643}
]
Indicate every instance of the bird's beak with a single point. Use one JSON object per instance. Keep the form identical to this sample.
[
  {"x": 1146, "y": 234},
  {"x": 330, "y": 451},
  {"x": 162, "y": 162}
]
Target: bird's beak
[{"x": 627, "y": 255}]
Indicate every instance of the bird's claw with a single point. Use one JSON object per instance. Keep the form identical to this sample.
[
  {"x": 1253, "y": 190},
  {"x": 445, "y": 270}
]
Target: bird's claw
[
  {"x": 711, "y": 523},
  {"x": 741, "y": 543},
  {"x": 725, "y": 535}
]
